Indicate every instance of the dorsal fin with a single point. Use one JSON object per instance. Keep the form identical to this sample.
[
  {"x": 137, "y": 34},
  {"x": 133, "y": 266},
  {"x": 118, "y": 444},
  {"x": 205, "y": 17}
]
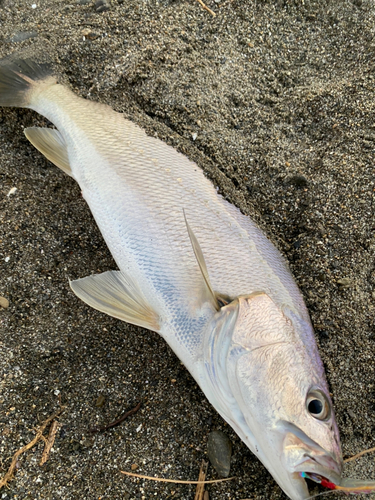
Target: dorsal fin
[
  {"x": 50, "y": 142},
  {"x": 114, "y": 293},
  {"x": 202, "y": 264}
]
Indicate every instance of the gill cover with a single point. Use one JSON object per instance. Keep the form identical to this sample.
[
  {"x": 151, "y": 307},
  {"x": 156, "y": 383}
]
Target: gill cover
[
  {"x": 244, "y": 337},
  {"x": 249, "y": 327}
]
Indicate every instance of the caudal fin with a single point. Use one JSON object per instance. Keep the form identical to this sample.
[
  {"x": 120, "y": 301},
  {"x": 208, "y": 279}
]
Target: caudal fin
[{"x": 20, "y": 79}]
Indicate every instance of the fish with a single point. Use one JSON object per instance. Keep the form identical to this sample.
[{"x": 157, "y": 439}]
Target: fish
[{"x": 197, "y": 271}]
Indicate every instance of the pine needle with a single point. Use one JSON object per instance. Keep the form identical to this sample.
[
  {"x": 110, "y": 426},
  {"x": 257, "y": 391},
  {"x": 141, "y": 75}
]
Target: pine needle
[
  {"x": 199, "y": 492},
  {"x": 360, "y": 454},
  {"x": 177, "y": 481},
  {"x": 207, "y": 8}
]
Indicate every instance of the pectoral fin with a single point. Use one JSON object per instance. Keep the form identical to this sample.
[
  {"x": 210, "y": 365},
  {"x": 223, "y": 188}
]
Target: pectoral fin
[
  {"x": 115, "y": 294},
  {"x": 50, "y": 142}
]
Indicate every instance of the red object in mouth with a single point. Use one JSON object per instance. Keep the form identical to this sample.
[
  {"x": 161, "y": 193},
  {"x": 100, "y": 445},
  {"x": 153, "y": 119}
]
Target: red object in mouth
[{"x": 328, "y": 484}]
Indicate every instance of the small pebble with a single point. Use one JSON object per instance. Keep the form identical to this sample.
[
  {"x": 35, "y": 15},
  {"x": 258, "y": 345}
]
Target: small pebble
[
  {"x": 134, "y": 466},
  {"x": 219, "y": 450},
  {"x": 4, "y": 303},
  {"x": 23, "y": 35},
  {"x": 345, "y": 282},
  {"x": 100, "y": 401},
  {"x": 351, "y": 413},
  {"x": 102, "y": 5},
  {"x": 322, "y": 230},
  {"x": 87, "y": 33}
]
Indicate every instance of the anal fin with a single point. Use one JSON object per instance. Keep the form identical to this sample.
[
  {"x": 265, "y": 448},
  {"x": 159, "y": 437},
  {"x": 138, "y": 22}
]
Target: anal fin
[
  {"x": 115, "y": 294},
  {"x": 50, "y": 142}
]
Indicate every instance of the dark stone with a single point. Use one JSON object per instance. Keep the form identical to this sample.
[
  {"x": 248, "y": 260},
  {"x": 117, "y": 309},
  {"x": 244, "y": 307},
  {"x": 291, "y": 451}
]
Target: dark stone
[{"x": 219, "y": 450}]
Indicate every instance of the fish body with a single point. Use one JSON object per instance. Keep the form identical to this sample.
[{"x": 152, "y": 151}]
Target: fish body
[
  {"x": 138, "y": 188},
  {"x": 197, "y": 271}
]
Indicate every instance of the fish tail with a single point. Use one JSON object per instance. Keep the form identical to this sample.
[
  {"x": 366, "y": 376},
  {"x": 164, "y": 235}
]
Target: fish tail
[{"x": 21, "y": 82}]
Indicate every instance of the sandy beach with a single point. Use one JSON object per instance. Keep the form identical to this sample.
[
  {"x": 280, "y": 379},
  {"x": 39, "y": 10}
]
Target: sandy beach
[{"x": 275, "y": 101}]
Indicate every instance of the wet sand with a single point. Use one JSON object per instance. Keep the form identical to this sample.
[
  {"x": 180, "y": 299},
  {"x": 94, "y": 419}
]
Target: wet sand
[{"x": 275, "y": 102}]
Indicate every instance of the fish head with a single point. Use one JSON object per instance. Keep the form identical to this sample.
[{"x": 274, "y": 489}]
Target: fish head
[{"x": 267, "y": 380}]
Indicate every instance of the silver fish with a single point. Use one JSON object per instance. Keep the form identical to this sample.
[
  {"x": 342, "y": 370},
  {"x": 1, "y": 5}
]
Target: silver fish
[{"x": 198, "y": 272}]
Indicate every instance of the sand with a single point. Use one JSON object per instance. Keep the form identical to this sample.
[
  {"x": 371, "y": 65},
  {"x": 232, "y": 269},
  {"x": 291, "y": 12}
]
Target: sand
[{"x": 275, "y": 102}]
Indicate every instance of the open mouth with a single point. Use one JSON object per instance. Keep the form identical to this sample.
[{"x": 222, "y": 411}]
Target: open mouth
[
  {"x": 318, "y": 479},
  {"x": 354, "y": 486}
]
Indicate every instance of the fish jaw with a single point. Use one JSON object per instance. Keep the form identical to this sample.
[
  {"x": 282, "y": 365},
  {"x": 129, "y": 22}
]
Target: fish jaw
[
  {"x": 258, "y": 375},
  {"x": 302, "y": 454},
  {"x": 294, "y": 453}
]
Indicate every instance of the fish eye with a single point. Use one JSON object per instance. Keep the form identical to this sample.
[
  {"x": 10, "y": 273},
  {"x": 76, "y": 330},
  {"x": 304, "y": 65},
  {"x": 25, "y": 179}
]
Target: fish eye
[{"x": 317, "y": 405}]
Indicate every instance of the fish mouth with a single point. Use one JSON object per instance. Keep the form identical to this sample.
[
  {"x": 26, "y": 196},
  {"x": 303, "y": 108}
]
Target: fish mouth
[
  {"x": 305, "y": 459},
  {"x": 320, "y": 472},
  {"x": 326, "y": 472}
]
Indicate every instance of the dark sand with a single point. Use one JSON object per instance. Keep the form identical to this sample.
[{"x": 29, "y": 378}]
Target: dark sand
[{"x": 280, "y": 95}]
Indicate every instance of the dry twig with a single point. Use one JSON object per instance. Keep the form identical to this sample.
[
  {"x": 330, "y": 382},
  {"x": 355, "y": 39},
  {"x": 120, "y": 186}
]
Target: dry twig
[
  {"x": 177, "y": 481},
  {"x": 39, "y": 435},
  {"x": 118, "y": 421},
  {"x": 207, "y": 8},
  {"x": 49, "y": 442},
  {"x": 199, "y": 493}
]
